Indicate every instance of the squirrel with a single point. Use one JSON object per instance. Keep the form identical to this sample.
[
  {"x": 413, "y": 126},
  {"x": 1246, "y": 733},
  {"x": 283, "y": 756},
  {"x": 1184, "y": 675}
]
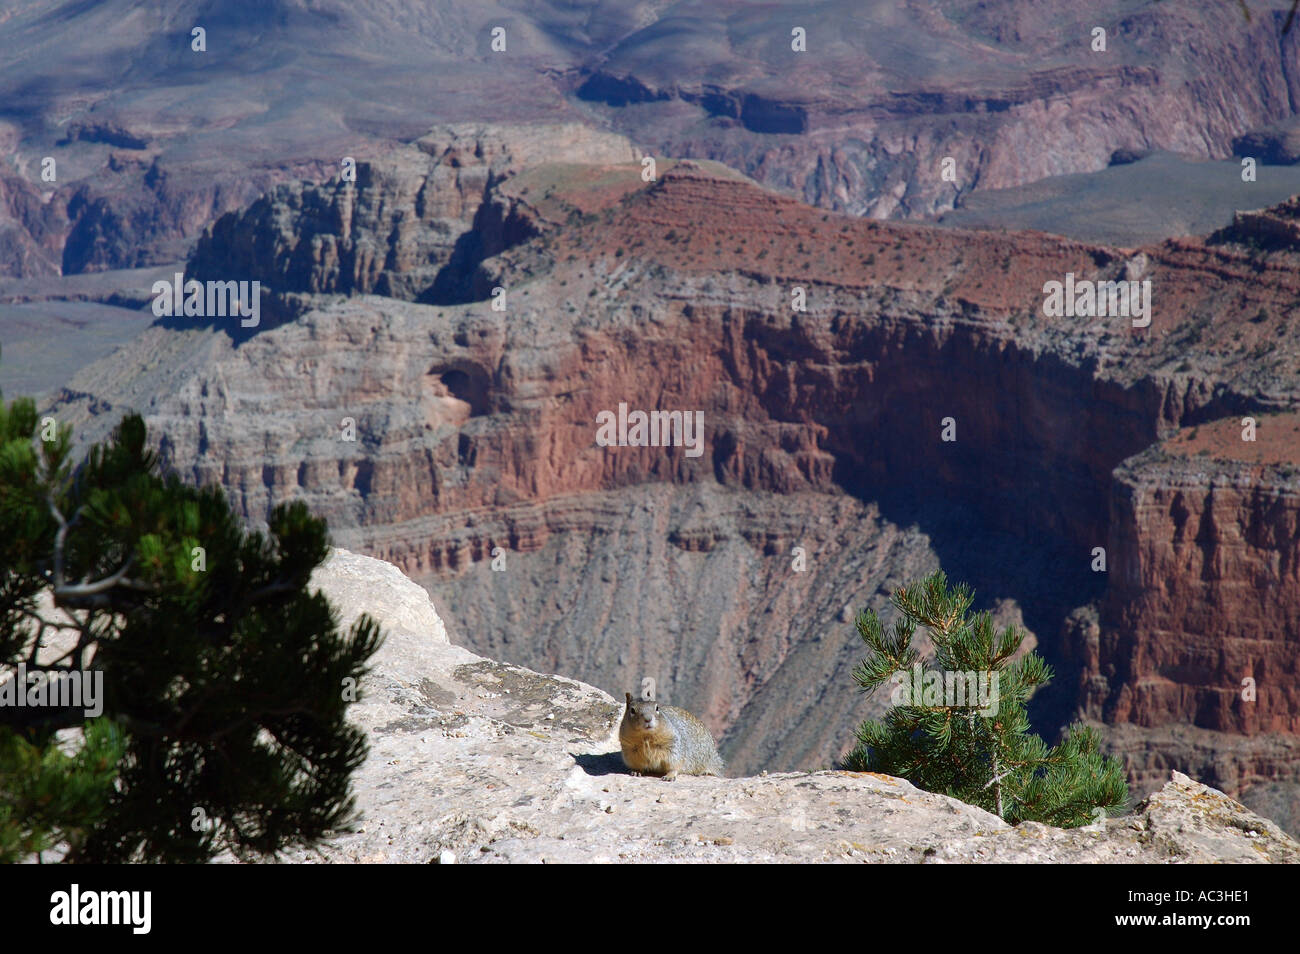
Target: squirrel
[{"x": 666, "y": 740}]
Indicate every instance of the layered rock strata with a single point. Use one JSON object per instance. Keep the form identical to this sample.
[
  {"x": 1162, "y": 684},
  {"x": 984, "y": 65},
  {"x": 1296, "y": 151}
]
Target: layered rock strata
[{"x": 823, "y": 432}]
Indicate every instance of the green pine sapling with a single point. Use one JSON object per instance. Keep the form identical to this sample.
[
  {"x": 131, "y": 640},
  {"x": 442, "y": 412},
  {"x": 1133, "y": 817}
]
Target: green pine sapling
[{"x": 959, "y": 725}]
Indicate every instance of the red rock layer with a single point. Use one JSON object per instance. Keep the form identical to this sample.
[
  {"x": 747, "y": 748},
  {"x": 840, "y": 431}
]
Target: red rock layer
[{"x": 1201, "y": 620}]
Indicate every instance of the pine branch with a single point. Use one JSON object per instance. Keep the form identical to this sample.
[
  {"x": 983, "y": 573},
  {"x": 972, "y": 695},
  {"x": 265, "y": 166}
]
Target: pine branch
[{"x": 995, "y": 762}]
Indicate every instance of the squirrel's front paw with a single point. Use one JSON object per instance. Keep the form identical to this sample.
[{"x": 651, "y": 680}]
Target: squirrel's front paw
[{"x": 670, "y": 777}]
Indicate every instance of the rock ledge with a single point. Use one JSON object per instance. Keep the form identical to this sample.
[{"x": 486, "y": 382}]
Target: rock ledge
[{"x": 479, "y": 760}]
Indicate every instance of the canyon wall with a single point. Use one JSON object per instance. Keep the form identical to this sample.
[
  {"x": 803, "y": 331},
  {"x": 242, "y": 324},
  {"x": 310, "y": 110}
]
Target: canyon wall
[
  {"x": 856, "y": 108},
  {"x": 474, "y": 465},
  {"x": 1200, "y": 623},
  {"x": 440, "y": 215}
]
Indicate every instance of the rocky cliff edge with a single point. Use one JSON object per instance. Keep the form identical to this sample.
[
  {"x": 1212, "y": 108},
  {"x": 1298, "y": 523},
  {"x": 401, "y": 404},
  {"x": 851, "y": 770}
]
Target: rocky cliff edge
[{"x": 476, "y": 760}]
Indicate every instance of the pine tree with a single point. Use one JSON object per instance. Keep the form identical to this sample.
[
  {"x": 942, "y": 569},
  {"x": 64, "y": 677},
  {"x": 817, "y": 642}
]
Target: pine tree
[
  {"x": 981, "y": 753},
  {"x": 226, "y": 680}
]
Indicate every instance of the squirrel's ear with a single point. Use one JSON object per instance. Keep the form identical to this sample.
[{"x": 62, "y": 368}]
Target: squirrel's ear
[{"x": 629, "y": 697}]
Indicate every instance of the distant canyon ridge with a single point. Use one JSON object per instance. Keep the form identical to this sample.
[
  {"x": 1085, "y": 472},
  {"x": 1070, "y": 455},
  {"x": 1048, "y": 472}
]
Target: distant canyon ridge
[{"x": 152, "y": 140}]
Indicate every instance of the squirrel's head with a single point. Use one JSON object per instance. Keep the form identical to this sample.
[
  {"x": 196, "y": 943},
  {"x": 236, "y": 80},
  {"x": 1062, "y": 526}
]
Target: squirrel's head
[{"x": 642, "y": 713}]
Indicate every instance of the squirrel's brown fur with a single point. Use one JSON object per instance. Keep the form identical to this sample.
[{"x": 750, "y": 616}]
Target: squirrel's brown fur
[{"x": 666, "y": 740}]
